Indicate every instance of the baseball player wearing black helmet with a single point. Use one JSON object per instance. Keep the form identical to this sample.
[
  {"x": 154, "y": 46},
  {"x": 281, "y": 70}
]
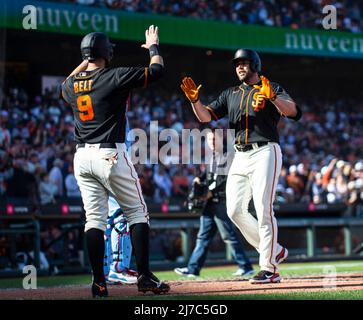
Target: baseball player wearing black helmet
[
  {"x": 254, "y": 109},
  {"x": 96, "y": 45},
  {"x": 98, "y": 96}
]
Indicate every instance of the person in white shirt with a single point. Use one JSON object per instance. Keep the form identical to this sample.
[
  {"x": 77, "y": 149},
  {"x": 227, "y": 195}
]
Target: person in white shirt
[
  {"x": 56, "y": 177},
  {"x": 72, "y": 187}
]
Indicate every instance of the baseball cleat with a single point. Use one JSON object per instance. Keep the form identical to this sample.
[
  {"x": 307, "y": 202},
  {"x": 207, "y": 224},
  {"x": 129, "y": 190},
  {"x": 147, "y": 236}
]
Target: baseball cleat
[
  {"x": 99, "y": 290},
  {"x": 184, "y": 272},
  {"x": 151, "y": 283},
  {"x": 282, "y": 256},
  {"x": 244, "y": 273},
  {"x": 125, "y": 276},
  {"x": 266, "y": 277}
]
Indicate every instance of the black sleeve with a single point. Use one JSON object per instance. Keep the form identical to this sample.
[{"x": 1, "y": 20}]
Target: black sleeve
[
  {"x": 218, "y": 108},
  {"x": 280, "y": 91},
  {"x": 135, "y": 77},
  {"x": 66, "y": 90},
  {"x": 298, "y": 115}
]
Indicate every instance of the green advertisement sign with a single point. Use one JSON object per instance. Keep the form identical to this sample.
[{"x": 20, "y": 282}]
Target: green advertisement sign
[{"x": 79, "y": 20}]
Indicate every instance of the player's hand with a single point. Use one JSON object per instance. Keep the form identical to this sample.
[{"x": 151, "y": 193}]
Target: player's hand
[
  {"x": 190, "y": 89},
  {"x": 266, "y": 88},
  {"x": 151, "y": 37}
]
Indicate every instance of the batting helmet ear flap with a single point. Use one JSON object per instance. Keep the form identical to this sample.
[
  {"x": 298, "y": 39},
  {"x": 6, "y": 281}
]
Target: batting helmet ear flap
[{"x": 250, "y": 55}]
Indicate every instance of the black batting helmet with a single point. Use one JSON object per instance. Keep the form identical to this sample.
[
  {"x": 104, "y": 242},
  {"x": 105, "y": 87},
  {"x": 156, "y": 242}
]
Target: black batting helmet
[
  {"x": 252, "y": 56},
  {"x": 96, "y": 45}
]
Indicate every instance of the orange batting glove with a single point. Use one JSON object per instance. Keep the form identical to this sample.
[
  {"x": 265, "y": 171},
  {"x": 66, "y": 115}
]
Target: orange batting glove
[
  {"x": 266, "y": 89},
  {"x": 190, "y": 89}
]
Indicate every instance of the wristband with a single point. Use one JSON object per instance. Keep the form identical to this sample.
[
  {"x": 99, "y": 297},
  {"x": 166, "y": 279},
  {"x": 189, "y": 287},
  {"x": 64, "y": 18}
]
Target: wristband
[{"x": 154, "y": 50}]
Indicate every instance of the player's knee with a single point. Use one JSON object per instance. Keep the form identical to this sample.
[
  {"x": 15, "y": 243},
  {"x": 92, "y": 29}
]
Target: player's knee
[
  {"x": 95, "y": 224},
  {"x": 137, "y": 217},
  {"x": 233, "y": 211}
]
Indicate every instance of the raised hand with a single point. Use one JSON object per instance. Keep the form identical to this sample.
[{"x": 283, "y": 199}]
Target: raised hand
[
  {"x": 190, "y": 89},
  {"x": 151, "y": 37},
  {"x": 266, "y": 89}
]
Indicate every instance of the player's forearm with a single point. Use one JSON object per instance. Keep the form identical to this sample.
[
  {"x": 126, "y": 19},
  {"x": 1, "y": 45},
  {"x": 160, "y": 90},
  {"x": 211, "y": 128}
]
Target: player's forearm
[
  {"x": 81, "y": 67},
  {"x": 157, "y": 59},
  {"x": 156, "y": 65},
  {"x": 201, "y": 112},
  {"x": 285, "y": 106}
]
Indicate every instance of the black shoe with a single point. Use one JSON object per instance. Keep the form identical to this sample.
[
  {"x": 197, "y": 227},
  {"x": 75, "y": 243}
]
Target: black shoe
[
  {"x": 99, "y": 290},
  {"x": 151, "y": 283},
  {"x": 266, "y": 277}
]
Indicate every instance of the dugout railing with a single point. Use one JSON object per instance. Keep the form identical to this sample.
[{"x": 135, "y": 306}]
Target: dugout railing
[
  {"x": 185, "y": 225},
  {"x": 310, "y": 227}
]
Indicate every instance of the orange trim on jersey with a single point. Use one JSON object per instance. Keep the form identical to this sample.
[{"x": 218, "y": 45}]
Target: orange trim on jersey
[
  {"x": 146, "y": 73},
  {"x": 271, "y": 203},
  {"x": 247, "y": 110},
  {"x": 240, "y": 107},
  {"x": 212, "y": 113}
]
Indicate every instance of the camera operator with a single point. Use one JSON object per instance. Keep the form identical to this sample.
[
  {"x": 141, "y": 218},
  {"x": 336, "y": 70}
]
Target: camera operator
[{"x": 214, "y": 217}]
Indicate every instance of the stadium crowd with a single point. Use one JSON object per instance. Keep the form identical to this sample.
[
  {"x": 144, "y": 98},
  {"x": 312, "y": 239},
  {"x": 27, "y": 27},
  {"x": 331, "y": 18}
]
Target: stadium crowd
[
  {"x": 322, "y": 152},
  {"x": 322, "y": 161},
  {"x": 280, "y": 13}
]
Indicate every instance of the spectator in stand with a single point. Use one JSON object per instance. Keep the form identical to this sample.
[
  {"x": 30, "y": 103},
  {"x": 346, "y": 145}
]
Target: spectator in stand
[
  {"x": 163, "y": 184},
  {"x": 5, "y": 137},
  {"x": 180, "y": 183},
  {"x": 22, "y": 184},
  {"x": 6, "y": 171},
  {"x": 56, "y": 177},
  {"x": 72, "y": 188},
  {"x": 295, "y": 182},
  {"x": 319, "y": 193},
  {"x": 47, "y": 190},
  {"x": 293, "y": 14},
  {"x": 147, "y": 182}
]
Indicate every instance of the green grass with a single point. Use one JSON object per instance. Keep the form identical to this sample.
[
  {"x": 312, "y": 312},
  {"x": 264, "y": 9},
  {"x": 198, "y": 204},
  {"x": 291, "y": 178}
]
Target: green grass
[
  {"x": 286, "y": 269},
  {"x": 48, "y": 281}
]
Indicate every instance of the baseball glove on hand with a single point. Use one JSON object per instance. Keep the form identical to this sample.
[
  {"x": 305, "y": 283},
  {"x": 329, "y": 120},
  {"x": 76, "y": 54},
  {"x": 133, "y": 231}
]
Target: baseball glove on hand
[{"x": 190, "y": 89}]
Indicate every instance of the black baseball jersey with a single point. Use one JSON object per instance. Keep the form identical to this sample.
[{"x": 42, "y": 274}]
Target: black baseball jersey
[
  {"x": 99, "y": 99},
  {"x": 250, "y": 126}
]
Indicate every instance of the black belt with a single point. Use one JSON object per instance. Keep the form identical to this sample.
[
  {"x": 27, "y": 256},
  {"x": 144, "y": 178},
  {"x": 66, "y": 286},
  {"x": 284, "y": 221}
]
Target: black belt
[
  {"x": 248, "y": 147},
  {"x": 102, "y": 145}
]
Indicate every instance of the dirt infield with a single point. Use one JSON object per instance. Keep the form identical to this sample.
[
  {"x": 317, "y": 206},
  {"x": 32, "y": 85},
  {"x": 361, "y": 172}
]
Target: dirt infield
[{"x": 342, "y": 282}]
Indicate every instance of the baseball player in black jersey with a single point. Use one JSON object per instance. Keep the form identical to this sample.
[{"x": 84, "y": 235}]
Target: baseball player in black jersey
[
  {"x": 254, "y": 109},
  {"x": 98, "y": 96}
]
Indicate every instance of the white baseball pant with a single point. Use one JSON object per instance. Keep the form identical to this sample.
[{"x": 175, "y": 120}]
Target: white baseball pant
[
  {"x": 100, "y": 171},
  {"x": 254, "y": 174}
]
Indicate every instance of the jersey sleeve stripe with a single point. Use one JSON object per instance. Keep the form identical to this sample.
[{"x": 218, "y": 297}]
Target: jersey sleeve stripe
[
  {"x": 212, "y": 113},
  {"x": 146, "y": 77}
]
